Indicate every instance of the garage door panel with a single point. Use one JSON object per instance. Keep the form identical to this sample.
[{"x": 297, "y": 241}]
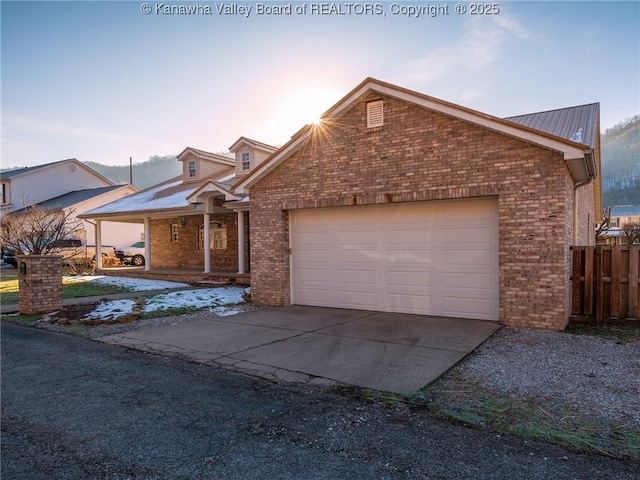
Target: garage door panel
[
  {"x": 466, "y": 235},
  {"x": 318, "y": 296},
  {"x": 465, "y": 281},
  {"x": 410, "y": 238},
  {"x": 314, "y": 274},
  {"x": 468, "y": 257},
  {"x": 409, "y": 257},
  {"x": 311, "y": 239},
  {"x": 409, "y": 279},
  {"x": 358, "y": 300},
  {"x": 314, "y": 257},
  {"x": 410, "y": 303},
  {"x": 356, "y": 257},
  {"x": 438, "y": 258},
  {"x": 362, "y": 277},
  {"x": 465, "y": 307}
]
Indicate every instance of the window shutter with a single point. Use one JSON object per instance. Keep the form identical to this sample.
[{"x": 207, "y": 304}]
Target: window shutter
[{"x": 375, "y": 114}]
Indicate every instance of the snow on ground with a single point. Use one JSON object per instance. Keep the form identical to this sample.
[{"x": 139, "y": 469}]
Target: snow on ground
[
  {"x": 218, "y": 300},
  {"x": 133, "y": 284},
  {"x": 196, "y": 299},
  {"x": 215, "y": 299}
]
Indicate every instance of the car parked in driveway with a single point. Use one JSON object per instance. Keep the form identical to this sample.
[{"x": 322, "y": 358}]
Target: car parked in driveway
[
  {"x": 132, "y": 255},
  {"x": 9, "y": 257}
]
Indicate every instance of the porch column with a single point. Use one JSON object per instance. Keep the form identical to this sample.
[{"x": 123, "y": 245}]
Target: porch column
[
  {"x": 207, "y": 243},
  {"x": 147, "y": 244},
  {"x": 98, "y": 236},
  {"x": 241, "y": 242}
]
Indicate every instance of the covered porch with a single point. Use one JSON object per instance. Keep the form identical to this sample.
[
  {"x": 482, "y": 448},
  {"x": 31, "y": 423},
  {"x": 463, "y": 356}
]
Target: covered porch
[{"x": 192, "y": 228}]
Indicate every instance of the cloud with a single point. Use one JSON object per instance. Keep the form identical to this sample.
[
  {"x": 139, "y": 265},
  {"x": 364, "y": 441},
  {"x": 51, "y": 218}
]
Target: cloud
[
  {"x": 19, "y": 126},
  {"x": 484, "y": 43}
]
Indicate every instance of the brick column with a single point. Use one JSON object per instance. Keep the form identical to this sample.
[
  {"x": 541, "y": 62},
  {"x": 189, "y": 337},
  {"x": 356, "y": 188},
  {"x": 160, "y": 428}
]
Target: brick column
[{"x": 39, "y": 283}]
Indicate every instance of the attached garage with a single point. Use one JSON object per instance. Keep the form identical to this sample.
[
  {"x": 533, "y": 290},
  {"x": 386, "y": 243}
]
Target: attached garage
[
  {"x": 435, "y": 258},
  {"x": 397, "y": 201}
]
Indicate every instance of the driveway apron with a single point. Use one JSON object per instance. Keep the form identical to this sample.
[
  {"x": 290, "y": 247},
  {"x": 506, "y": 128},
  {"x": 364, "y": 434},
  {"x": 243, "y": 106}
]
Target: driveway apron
[{"x": 391, "y": 352}]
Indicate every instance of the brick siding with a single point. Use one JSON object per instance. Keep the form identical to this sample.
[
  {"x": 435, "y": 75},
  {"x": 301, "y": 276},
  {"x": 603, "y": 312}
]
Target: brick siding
[
  {"x": 185, "y": 253},
  {"x": 40, "y": 286},
  {"x": 421, "y": 155}
]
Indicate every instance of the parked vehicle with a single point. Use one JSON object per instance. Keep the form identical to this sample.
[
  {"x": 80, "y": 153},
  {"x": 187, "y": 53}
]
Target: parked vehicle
[
  {"x": 72, "y": 250},
  {"x": 132, "y": 255},
  {"x": 9, "y": 257}
]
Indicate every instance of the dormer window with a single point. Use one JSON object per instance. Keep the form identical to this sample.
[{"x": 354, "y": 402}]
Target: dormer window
[
  {"x": 191, "y": 167},
  {"x": 246, "y": 161},
  {"x": 375, "y": 114}
]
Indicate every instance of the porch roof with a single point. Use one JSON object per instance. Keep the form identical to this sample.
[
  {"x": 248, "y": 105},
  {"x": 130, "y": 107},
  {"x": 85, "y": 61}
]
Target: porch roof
[{"x": 165, "y": 197}]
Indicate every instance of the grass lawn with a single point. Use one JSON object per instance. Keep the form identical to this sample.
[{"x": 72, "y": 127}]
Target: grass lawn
[{"x": 9, "y": 288}]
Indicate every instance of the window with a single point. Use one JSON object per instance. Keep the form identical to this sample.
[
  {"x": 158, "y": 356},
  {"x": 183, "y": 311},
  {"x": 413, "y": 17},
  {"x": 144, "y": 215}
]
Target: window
[
  {"x": 218, "y": 236},
  {"x": 5, "y": 194},
  {"x": 174, "y": 232},
  {"x": 375, "y": 114},
  {"x": 246, "y": 161},
  {"x": 192, "y": 168}
]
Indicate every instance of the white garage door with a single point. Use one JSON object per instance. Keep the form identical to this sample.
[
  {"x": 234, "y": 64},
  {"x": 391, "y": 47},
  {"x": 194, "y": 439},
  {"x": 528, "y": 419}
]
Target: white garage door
[{"x": 434, "y": 258}]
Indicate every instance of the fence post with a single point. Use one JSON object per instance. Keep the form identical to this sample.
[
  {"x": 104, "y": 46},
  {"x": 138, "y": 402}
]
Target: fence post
[
  {"x": 632, "y": 296},
  {"x": 615, "y": 285},
  {"x": 589, "y": 284}
]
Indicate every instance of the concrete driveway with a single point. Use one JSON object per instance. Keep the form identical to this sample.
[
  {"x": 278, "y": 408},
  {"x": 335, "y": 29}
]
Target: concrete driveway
[{"x": 391, "y": 352}]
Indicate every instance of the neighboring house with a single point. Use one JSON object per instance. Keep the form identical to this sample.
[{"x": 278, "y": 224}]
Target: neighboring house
[
  {"x": 194, "y": 221},
  {"x": 66, "y": 185},
  {"x": 401, "y": 202},
  {"x": 619, "y": 215}
]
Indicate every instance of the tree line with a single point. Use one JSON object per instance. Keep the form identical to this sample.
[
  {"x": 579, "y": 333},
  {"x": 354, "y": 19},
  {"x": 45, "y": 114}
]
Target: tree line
[{"x": 621, "y": 163}]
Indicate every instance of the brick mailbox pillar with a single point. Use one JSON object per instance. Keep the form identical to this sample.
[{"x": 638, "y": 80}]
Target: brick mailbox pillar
[{"x": 39, "y": 283}]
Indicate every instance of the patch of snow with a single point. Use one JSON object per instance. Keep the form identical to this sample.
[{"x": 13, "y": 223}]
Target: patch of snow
[
  {"x": 150, "y": 199},
  {"x": 215, "y": 298},
  {"x": 111, "y": 309},
  {"x": 131, "y": 284},
  {"x": 196, "y": 299}
]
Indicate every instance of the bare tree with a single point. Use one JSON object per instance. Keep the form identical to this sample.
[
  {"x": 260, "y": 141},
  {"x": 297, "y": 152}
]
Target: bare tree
[
  {"x": 632, "y": 231},
  {"x": 35, "y": 230},
  {"x": 603, "y": 227}
]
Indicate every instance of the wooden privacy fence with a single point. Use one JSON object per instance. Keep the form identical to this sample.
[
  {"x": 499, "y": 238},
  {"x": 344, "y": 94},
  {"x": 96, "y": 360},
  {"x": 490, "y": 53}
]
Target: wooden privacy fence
[{"x": 605, "y": 283}]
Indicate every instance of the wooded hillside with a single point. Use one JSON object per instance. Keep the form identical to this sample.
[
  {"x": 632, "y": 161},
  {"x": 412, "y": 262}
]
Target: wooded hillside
[{"x": 621, "y": 163}]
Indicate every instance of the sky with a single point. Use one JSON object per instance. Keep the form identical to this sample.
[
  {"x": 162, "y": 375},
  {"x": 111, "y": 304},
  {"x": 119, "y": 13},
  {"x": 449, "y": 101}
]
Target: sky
[{"x": 104, "y": 81}]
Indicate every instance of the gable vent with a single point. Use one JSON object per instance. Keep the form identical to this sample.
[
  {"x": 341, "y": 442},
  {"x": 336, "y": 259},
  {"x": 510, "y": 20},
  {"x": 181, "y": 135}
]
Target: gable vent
[{"x": 375, "y": 114}]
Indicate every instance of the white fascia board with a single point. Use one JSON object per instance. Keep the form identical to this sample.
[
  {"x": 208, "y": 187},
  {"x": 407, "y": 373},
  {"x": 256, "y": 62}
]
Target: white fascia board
[{"x": 569, "y": 151}]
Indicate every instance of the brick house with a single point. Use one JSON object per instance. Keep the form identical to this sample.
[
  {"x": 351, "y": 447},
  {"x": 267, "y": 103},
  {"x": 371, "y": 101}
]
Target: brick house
[
  {"x": 184, "y": 215},
  {"x": 397, "y": 201}
]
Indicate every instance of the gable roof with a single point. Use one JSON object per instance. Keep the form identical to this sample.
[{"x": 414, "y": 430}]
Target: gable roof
[
  {"x": 578, "y": 155},
  {"x": 214, "y": 157},
  {"x": 252, "y": 144},
  {"x": 20, "y": 171},
  {"x": 73, "y": 198},
  {"x": 10, "y": 174}
]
